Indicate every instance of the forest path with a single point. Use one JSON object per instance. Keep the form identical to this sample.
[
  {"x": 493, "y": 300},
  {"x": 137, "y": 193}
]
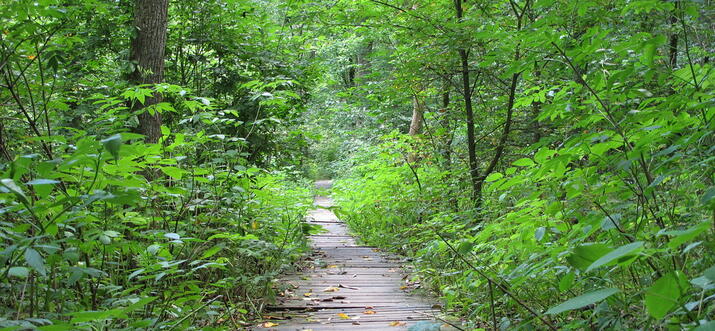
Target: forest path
[{"x": 348, "y": 287}]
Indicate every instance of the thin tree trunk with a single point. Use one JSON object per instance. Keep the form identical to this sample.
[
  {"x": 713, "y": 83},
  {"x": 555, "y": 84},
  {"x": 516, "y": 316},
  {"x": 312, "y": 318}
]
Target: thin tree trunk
[
  {"x": 467, "y": 91},
  {"x": 147, "y": 53},
  {"x": 673, "y": 44}
]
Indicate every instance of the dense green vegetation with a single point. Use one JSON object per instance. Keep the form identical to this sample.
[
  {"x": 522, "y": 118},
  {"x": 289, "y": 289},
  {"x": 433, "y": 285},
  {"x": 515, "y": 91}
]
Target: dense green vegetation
[{"x": 544, "y": 164}]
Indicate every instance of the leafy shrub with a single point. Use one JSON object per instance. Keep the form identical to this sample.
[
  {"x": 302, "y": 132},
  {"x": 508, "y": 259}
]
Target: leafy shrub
[{"x": 112, "y": 232}]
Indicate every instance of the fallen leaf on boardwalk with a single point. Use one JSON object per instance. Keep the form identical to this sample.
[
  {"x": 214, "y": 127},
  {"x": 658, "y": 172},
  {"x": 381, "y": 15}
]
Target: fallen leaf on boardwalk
[
  {"x": 391, "y": 270},
  {"x": 369, "y": 307},
  {"x": 403, "y": 287},
  {"x": 307, "y": 294},
  {"x": 332, "y": 266},
  {"x": 397, "y": 323},
  {"x": 269, "y": 324},
  {"x": 356, "y": 323},
  {"x": 344, "y": 316},
  {"x": 369, "y": 312},
  {"x": 331, "y": 289},
  {"x": 348, "y": 287}
]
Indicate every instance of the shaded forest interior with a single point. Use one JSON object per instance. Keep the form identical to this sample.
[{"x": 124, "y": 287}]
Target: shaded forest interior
[{"x": 542, "y": 164}]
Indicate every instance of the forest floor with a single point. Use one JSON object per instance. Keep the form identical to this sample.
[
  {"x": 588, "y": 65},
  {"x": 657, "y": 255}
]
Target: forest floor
[{"x": 348, "y": 286}]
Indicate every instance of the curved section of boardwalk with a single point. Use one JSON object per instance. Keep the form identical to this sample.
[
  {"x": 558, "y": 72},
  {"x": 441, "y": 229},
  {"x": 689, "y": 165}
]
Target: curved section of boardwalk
[{"x": 350, "y": 287}]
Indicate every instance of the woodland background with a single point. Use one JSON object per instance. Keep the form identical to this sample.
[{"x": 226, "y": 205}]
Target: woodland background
[{"x": 542, "y": 163}]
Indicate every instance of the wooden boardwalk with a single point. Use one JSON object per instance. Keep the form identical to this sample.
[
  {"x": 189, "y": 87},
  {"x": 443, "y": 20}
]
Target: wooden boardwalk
[{"x": 350, "y": 287}]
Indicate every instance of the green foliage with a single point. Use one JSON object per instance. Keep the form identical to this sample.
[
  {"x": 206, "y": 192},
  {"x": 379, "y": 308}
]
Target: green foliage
[
  {"x": 103, "y": 243},
  {"x": 101, "y": 230},
  {"x": 588, "y": 201},
  {"x": 597, "y": 199}
]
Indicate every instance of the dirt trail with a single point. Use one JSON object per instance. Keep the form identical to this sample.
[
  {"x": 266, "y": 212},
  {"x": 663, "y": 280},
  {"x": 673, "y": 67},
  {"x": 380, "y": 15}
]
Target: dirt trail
[{"x": 351, "y": 287}]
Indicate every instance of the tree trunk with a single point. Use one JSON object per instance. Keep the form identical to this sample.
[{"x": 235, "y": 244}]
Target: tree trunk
[
  {"x": 147, "y": 53},
  {"x": 467, "y": 91},
  {"x": 673, "y": 43},
  {"x": 417, "y": 116}
]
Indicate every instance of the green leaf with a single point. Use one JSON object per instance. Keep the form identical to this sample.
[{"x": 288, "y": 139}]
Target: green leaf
[
  {"x": 710, "y": 273},
  {"x": 665, "y": 293},
  {"x": 617, "y": 253},
  {"x": 86, "y": 316},
  {"x": 105, "y": 239},
  {"x": 584, "y": 255},
  {"x": 465, "y": 247},
  {"x": 212, "y": 251},
  {"x": 524, "y": 162},
  {"x": 708, "y": 196},
  {"x": 706, "y": 326},
  {"x": 582, "y": 300},
  {"x": 12, "y": 187},
  {"x": 35, "y": 260},
  {"x": 19, "y": 272},
  {"x": 494, "y": 176},
  {"x": 112, "y": 145},
  {"x": 173, "y": 172},
  {"x": 683, "y": 236},
  {"x": 42, "y": 182},
  {"x": 566, "y": 281}
]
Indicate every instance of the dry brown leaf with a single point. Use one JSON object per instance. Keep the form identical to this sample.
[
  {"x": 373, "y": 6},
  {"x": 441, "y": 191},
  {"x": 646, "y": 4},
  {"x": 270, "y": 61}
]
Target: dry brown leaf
[
  {"x": 397, "y": 323},
  {"x": 403, "y": 287},
  {"x": 331, "y": 289},
  {"x": 269, "y": 324},
  {"x": 369, "y": 312}
]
